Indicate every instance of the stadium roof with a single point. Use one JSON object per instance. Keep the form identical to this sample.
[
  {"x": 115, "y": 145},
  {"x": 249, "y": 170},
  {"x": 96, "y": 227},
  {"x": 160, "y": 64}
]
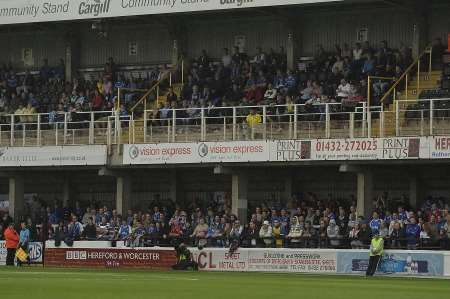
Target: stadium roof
[{"x": 26, "y": 11}]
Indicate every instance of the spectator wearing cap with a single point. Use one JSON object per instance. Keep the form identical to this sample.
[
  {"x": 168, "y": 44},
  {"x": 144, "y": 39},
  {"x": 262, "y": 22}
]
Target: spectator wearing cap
[
  {"x": 265, "y": 233},
  {"x": 333, "y": 234}
]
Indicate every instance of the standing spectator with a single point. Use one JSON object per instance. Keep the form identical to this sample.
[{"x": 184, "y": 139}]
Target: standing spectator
[
  {"x": 333, "y": 234},
  {"x": 375, "y": 223},
  {"x": 90, "y": 230},
  {"x": 24, "y": 240},
  {"x": 412, "y": 234},
  {"x": 12, "y": 241},
  {"x": 75, "y": 229},
  {"x": 265, "y": 233}
]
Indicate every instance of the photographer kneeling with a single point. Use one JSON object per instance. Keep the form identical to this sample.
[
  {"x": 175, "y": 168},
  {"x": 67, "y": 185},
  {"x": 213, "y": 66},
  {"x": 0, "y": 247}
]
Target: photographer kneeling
[{"x": 184, "y": 259}]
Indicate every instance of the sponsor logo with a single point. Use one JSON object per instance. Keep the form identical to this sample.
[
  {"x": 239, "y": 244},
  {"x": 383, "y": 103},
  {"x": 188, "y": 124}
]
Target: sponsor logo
[
  {"x": 94, "y": 7},
  {"x": 76, "y": 255},
  {"x": 203, "y": 150},
  {"x": 35, "y": 251},
  {"x": 401, "y": 148},
  {"x": 133, "y": 152},
  {"x": 237, "y": 3}
]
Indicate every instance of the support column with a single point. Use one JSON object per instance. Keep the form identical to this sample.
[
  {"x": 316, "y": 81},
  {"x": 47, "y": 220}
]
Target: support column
[
  {"x": 420, "y": 27},
  {"x": 414, "y": 191},
  {"x": 68, "y": 63},
  {"x": 239, "y": 194},
  {"x": 291, "y": 51},
  {"x": 123, "y": 194},
  {"x": 16, "y": 200},
  {"x": 287, "y": 189},
  {"x": 66, "y": 192},
  {"x": 175, "y": 191},
  {"x": 364, "y": 194}
]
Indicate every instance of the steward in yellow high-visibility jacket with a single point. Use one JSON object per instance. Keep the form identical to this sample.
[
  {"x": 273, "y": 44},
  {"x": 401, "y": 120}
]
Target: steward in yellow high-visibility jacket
[{"x": 376, "y": 253}]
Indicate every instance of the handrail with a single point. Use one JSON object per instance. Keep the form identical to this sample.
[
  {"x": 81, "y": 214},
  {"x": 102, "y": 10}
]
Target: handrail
[
  {"x": 149, "y": 91},
  {"x": 156, "y": 85},
  {"x": 428, "y": 50},
  {"x": 369, "y": 85}
]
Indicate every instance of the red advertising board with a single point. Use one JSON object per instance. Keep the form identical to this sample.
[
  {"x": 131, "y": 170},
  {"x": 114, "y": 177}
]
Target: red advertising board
[{"x": 109, "y": 258}]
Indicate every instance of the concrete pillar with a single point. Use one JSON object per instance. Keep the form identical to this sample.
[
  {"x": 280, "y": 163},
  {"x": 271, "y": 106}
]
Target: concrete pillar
[
  {"x": 16, "y": 200},
  {"x": 123, "y": 194},
  {"x": 291, "y": 51},
  {"x": 175, "y": 191},
  {"x": 175, "y": 52},
  {"x": 414, "y": 191},
  {"x": 68, "y": 62},
  {"x": 364, "y": 193},
  {"x": 421, "y": 13},
  {"x": 287, "y": 189},
  {"x": 239, "y": 194},
  {"x": 66, "y": 192}
]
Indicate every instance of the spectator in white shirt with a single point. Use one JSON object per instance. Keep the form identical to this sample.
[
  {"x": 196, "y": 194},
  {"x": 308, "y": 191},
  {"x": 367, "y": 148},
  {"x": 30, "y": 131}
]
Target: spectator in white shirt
[
  {"x": 357, "y": 52},
  {"x": 226, "y": 58},
  {"x": 265, "y": 233},
  {"x": 344, "y": 90}
]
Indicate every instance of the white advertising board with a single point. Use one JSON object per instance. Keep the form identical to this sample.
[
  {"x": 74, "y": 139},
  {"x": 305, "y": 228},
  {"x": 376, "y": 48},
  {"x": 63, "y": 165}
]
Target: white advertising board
[
  {"x": 29, "y": 11},
  {"x": 266, "y": 260},
  {"x": 53, "y": 156},
  {"x": 206, "y": 152},
  {"x": 395, "y": 148}
]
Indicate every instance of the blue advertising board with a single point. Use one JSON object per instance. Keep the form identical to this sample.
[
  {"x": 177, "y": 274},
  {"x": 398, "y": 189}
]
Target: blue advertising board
[{"x": 393, "y": 262}]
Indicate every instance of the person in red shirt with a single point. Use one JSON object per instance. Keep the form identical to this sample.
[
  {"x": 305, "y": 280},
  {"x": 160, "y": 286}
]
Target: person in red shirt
[
  {"x": 97, "y": 101},
  {"x": 12, "y": 241}
]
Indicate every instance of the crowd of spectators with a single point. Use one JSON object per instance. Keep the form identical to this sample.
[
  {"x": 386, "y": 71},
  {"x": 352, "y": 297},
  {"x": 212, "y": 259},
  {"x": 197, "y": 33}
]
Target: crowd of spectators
[
  {"x": 238, "y": 79},
  {"x": 235, "y": 79},
  {"x": 306, "y": 223},
  {"x": 46, "y": 91}
]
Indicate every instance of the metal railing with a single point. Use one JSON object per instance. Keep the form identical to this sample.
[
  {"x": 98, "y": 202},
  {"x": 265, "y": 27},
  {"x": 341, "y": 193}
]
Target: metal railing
[
  {"x": 59, "y": 128},
  {"x": 321, "y": 120},
  {"x": 413, "y": 70}
]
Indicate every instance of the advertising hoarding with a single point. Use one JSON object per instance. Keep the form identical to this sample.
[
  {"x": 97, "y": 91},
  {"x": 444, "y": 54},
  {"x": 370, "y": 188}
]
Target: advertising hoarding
[
  {"x": 26, "y": 11},
  {"x": 53, "y": 156}
]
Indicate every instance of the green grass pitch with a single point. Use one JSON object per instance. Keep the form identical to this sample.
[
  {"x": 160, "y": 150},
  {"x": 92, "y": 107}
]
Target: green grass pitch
[{"x": 43, "y": 283}]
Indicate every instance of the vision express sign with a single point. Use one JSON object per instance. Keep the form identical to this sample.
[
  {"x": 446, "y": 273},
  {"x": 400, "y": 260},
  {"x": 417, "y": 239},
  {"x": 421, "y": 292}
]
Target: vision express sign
[
  {"x": 401, "y": 148},
  {"x": 29, "y": 11}
]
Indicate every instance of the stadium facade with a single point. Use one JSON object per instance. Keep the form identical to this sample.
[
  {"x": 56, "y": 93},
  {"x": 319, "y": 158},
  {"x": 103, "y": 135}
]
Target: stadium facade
[{"x": 127, "y": 165}]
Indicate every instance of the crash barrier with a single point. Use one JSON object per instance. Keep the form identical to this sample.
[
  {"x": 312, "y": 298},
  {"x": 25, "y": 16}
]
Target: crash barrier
[
  {"x": 106, "y": 254},
  {"x": 35, "y": 250}
]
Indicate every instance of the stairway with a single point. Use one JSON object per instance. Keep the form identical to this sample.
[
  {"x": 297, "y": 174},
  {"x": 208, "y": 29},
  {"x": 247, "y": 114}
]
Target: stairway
[{"x": 428, "y": 81}]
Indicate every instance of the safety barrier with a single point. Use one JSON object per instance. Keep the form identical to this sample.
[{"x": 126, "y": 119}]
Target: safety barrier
[
  {"x": 101, "y": 254},
  {"x": 272, "y": 122}
]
